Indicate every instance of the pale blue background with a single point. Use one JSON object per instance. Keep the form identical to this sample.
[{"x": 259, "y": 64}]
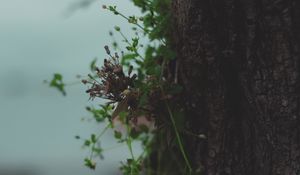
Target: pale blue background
[{"x": 37, "y": 124}]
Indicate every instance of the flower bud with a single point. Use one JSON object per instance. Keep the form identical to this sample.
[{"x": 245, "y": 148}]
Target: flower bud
[
  {"x": 84, "y": 81},
  {"x": 130, "y": 70},
  {"x": 117, "y": 28},
  {"x": 90, "y": 76},
  {"x": 107, "y": 50},
  {"x": 116, "y": 55}
]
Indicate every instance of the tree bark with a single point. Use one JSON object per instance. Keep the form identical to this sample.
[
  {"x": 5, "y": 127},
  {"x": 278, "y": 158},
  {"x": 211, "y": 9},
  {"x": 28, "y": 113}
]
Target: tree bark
[{"x": 238, "y": 61}]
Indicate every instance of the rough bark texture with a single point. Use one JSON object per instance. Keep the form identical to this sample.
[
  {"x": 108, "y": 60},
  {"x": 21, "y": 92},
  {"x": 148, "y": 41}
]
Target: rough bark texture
[{"x": 238, "y": 62}]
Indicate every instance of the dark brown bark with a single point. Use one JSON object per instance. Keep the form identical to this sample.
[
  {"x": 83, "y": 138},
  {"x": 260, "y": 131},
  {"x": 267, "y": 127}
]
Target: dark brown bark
[{"x": 238, "y": 62}]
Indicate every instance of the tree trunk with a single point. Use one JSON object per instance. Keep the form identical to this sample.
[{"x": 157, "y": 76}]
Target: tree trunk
[{"x": 238, "y": 61}]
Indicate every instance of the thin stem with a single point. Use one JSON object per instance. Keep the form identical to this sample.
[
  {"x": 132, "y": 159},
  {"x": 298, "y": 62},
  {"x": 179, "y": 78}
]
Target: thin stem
[
  {"x": 97, "y": 138},
  {"x": 178, "y": 136},
  {"x": 124, "y": 37},
  {"x": 127, "y": 41},
  {"x": 72, "y": 83},
  {"x": 76, "y": 82},
  {"x": 103, "y": 131},
  {"x": 141, "y": 155},
  {"x": 129, "y": 141},
  {"x": 138, "y": 25},
  {"x": 115, "y": 41}
]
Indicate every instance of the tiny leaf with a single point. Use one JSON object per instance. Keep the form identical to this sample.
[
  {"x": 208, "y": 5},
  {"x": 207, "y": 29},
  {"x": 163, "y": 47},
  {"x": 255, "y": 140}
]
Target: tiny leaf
[
  {"x": 93, "y": 138},
  {"x": 118, "y": 135},
  {"x": 87, "y": 142}
]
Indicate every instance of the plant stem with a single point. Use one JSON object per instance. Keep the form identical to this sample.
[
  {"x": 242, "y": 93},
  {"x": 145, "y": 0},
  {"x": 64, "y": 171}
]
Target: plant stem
[
  {"x": 97, "y": 138},
  {"x": 130, "y": 147},
  {"x": 129, "y": 141},
  {"x": 102, "y": 132},
  {"x": 178, "y": 138},
  {"x": 138, "y": 25},
  {"x": 177, "y": 135},
  {"x": 126, "y": 40}
]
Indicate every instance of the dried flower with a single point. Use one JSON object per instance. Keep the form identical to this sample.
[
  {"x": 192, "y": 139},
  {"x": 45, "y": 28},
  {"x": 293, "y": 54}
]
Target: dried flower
[{"x": 112, "y": 81}]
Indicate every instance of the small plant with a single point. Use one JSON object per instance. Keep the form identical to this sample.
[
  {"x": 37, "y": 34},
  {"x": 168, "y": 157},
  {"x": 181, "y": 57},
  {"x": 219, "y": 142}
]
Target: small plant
[{"x": 137, "y": 93}]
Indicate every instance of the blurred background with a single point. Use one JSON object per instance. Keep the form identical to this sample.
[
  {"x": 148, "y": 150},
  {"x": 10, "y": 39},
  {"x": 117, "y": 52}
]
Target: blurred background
[{"x": 37, "y": 124}]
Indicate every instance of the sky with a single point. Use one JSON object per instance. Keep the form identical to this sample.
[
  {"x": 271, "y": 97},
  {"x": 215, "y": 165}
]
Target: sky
[{"x": 37, "y": 124}]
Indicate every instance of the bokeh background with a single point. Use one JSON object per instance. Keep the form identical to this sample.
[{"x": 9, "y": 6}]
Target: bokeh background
[{"x": 37, "y": 124}]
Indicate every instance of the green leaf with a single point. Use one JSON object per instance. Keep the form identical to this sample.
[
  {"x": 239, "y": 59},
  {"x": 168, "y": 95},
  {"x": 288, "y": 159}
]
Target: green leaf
[
  {"x": 134, "y": 133},
  {"x": 58, "y": 76},
  {"x": 118, "y": 135},
  {"x": 143, "y": 100},
  {"x": 130, "y": 48},
  {"x": 144, "y": 128},
  {"x": 130, "y": 161},
  {"x": 93, "y": 138},
  {"x": 87, "y": 142},
  {"x": 113, "y": 9},
  {"x": 149, "y": 52},
  {"x": 89, "y": 163},
  {"x": 115, "y": 45},
  {"x": 157, "y": 70},
  {"x": 135, "y": 42},
  {"x": 100, "y": 114},
  {"x": 123, "y": 115},
  {"x": 57, "y": 83},
  {"x": 154, "y": 70},
  {"x": 132, "y": 19},
  {"x": 142, "y": 4},
  {"x": 148, "y": 20},
  {"x": 126, "y": 59},
  {"x": 97, "y": 150},
  {"x": 117, "y": 28}
]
